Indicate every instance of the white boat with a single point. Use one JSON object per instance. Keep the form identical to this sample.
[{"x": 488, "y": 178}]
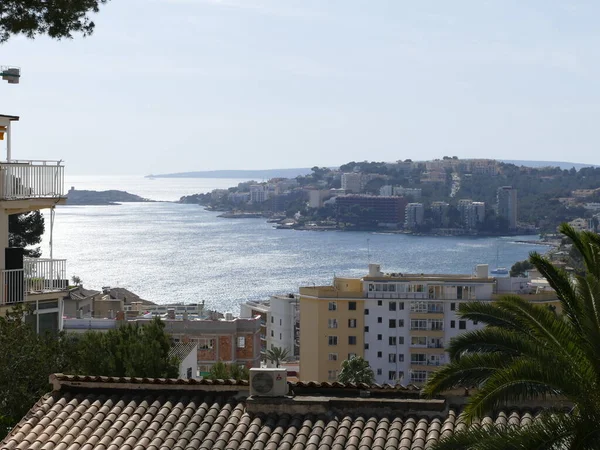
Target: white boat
[{"x": 499, "y": 270}]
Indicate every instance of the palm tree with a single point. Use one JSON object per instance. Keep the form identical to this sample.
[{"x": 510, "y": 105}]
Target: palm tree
[
  {"x": 277, "y": 355},
  {"x": 356, "y": 370},
  {"x": 526, "y": 352}
]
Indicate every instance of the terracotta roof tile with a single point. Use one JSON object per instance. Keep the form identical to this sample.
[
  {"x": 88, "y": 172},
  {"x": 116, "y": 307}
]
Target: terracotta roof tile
[{"x": 107, "y": 413}]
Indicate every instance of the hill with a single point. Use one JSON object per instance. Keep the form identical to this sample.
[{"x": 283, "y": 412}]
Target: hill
[
  {"x": 113, "y": 197},
  {"x": 247, "y": 174}
]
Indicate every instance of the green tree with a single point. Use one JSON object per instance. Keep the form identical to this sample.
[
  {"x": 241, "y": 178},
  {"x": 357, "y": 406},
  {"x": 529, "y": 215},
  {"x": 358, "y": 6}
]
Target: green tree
[
  {"x": 222, "y": 371},
  {"x": 519, "y": 268},
  {"x": 26, "y": 361},
  {"x": 76, "y": 280},
  {"x": 277, "y": 355},
  {"x": 131, "y": 350},
  {"x": 25, "y": 230},
  {"x": 356, "y": 370},
  {"x": 56, "y": 18},
  {"x": 529, "y": 352}
]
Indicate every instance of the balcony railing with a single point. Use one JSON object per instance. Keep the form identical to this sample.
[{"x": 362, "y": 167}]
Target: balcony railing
[
  {"x": 31, "y": 179},
  {"x": 38, "y": 275}
]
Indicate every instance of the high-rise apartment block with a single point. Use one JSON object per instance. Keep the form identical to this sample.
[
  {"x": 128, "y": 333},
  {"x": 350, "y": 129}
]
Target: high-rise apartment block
[
  {"x": 471, "y": 213},
  {"x": 352, "y": 182},
  {"x": 414, "y": 215},
  {"x": 400, "y": 323},
  {"x": 507, "y": 205}
]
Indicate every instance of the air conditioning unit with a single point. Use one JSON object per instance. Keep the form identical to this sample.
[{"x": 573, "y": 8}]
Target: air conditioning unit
[{"x": 268, "y": 382}]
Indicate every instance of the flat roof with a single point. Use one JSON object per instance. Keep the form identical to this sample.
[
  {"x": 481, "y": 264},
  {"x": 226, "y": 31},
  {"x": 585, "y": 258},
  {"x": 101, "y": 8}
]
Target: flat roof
[{"x": 11, "y": 118}]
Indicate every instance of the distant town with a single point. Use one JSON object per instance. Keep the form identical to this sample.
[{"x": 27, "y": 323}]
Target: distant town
[{"x": 448, "y": 196}]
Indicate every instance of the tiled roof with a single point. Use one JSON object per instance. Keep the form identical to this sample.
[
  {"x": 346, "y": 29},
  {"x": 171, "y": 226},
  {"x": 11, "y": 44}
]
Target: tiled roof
[
  {"x": 98, "y": 414},
  {"x": 182, "y": 349}
]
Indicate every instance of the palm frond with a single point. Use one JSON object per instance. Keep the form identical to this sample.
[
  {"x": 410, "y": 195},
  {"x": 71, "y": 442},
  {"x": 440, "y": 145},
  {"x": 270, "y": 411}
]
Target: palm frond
[{"x": 555, "y": 431}]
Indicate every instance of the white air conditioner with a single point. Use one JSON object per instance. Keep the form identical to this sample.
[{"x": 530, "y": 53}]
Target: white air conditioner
[{"x": 268, "y": 382}]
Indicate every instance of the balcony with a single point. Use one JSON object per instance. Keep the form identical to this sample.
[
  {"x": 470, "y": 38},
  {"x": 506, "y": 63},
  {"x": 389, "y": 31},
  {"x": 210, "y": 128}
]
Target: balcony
[
  {"x": 22, "y": 180},
  {"x": 38, "y": 276}
]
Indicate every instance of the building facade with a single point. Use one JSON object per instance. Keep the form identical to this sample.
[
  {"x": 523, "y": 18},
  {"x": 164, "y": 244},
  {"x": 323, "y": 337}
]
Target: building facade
[
  {"x": 472, "y": 213},
  {"x": 409, "y": 319},
  {"x": 331, "y": 329},
  {"x": 414, "y": 215},
  {"x": 400, "y": 323},
  {"x": 506, "y": 204},
  {"x": 383, "y": 210},
  {"x": 40, "y": 283},
  {"x": 352, "y": 182}
]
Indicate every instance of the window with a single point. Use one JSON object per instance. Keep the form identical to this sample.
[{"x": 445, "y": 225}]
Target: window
[
  {"x": 366, "y": 346},
  {"x": 392, "y": 357},
  {"x": 418, "y": 341},
  {"x": 332, "y": 374},
  {"x": 351, "y": 355},
  {"x": 453, "y": 324},
  {"x": 452, "y": 306},
  {"x": 462, "y": 324},
  {"x": 379, "y": 302},
  {"x": 418, "y": 376},
  {"x": 351, "y": 306},
  {"x": 280, "y": 338},
  {"x": 351, "y": 323},
  {"x": 371, "y": 287},
  {"x": 366, "y": 311},
  {"x": 401, "y": 357},
  {"x": 332, "y": 340},
  {"x": 379, "y": 354},
  {"x": 418, "y": 358},
  {"x": 400, "y": 340},
  {"x": 392, "y": 340},
  {"x": 241, "y": 342},
  {"x": 380, "y": 320},
  {"x": 400, "y": 374},
  {"x": 189, "y": 373},
  {"x": 475, "y": 322},
  {"x": 418, "y": 324},
  {"x": 400, "y": 323},
  {"x": 332, "y": 306},
  {"x": 333, "y": 357},
  {"x": 392, "y": 288},
  {"x": 392, "y": 375},
  {"x": 206, "y": 344},
  {"x": 379, "y": 337},
  {"x": 351, "y": 340},
  {"x": 392, "y": 306},
  {"x": 392, "y": 323},
  {"x": 272, "y": 319},
  {"x": 366, "y": 329},
  {"x": 332, "y": 323},
  {"x": 401, "y": 306},
  {"x": 279, "y": 322},
  {"x": 272, "y": 333},
  {"x": 436, "y": 324},
  {"x": 379, "y": 371}
]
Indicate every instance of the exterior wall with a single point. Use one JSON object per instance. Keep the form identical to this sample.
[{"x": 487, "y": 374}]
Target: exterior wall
[
  {"x": 352, "y": 182},
  {"x": 388, "y": 210},
  {"x": 389, "y": 347},
  {"x": 321, "y": 337},
  {"x": 282, "y": 323},
  {"x": 190, "y": 361},
  {"x": 507, "y": 205}
]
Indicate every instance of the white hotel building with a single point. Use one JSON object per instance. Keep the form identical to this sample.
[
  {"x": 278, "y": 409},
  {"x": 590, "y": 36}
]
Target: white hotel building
[{"x": 410, "y": 318}]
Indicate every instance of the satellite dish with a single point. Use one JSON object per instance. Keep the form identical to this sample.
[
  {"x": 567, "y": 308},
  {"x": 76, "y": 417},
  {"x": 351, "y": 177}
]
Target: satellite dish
[{"x": 11, "y": 74}]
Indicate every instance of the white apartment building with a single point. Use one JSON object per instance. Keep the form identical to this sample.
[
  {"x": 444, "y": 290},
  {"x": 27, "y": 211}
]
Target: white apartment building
[
  {"x": 410, "y": 318},
  {"x": 386, "y": 191},
  {"x": 281, "y": 315},
  {"x": 415, "y": 193},
  {"x": 471, "y": 213},
  {"x": 414, "y": 214},
  {"x": 260, "y": 193},
  {"x": 352, "y": 182}
]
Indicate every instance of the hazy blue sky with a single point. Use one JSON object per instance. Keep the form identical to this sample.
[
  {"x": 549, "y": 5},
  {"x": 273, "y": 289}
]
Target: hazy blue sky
[{"x": 178, "y": 85}]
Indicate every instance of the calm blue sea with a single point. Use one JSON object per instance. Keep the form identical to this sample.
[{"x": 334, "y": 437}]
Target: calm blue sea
[{"x": 167, "y": 252}]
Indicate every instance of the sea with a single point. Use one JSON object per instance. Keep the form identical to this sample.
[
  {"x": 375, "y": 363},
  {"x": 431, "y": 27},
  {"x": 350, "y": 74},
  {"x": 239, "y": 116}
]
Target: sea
[{"x": 168, "y": 252}]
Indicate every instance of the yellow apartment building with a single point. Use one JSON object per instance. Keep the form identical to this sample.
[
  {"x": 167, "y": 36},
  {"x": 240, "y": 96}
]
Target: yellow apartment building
[{"x": 331, "y": 327}]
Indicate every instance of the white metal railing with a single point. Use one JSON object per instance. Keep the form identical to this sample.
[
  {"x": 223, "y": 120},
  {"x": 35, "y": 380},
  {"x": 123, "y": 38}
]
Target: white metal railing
[
  {"x": 44, "y": 274},
  {"x": 31, "y": 179},
  {"x": 13, "y": 287}
]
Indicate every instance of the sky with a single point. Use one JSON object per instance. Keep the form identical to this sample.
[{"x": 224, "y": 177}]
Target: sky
[{"x": 180, "y": 85}]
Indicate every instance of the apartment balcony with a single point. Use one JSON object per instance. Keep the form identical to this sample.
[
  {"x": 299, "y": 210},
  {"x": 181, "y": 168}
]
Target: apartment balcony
[
  {"x": 30, "y": 185},
  {"x": 38, "y": 276}
]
